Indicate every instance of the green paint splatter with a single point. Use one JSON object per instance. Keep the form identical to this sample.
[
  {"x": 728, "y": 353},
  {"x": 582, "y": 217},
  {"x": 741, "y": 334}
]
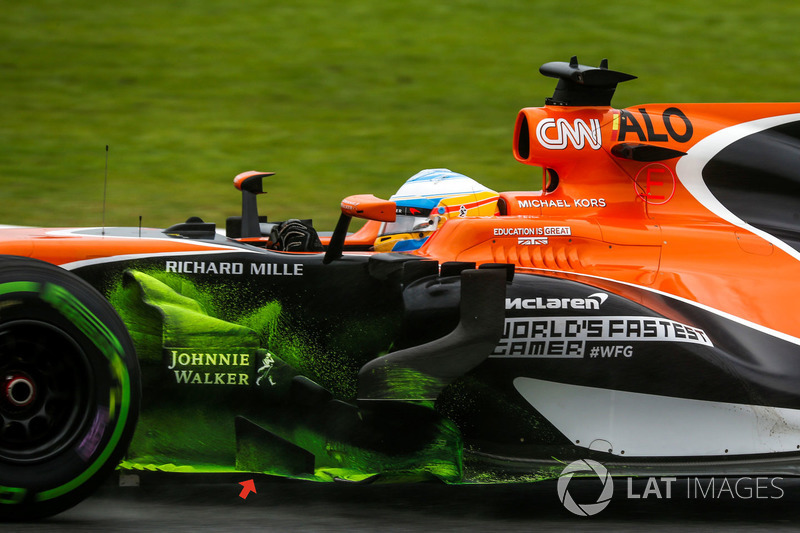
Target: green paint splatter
[
  {"x": 264, "y": 321},
  {"x": 165, "y": 309},
  {"x": 409, "y": 384}
]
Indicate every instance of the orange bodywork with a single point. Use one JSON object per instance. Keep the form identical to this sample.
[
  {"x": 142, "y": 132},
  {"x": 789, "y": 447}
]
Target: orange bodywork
[
  {"x": 62, "y": 246},
  {"x": 611, "y": 218},
  {"x": 364, "y": 237},
  {"x": 603, "y": 217}
]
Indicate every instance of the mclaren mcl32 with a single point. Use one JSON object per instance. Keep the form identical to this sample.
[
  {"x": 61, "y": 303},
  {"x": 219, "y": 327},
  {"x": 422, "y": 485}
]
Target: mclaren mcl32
[{"x": 637, "y": 307}]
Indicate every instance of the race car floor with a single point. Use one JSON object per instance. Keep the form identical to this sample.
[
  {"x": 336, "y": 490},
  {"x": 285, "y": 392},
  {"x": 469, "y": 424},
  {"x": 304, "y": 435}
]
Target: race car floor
[{"x": 753, "y": 505}]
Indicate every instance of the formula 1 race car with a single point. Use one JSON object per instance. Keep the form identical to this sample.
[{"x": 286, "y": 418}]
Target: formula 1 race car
[{"x": 638, "y": 310}]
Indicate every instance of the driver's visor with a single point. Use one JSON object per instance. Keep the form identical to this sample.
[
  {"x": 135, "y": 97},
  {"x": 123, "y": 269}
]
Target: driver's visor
[{"x": 410, "y": 224}]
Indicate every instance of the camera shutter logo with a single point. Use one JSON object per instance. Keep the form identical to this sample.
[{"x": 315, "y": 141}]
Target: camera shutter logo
[{"x": 585, "y": 509}]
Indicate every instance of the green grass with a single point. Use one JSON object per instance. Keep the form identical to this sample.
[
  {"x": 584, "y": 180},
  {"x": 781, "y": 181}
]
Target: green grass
[{"x": 338, "y": 98}]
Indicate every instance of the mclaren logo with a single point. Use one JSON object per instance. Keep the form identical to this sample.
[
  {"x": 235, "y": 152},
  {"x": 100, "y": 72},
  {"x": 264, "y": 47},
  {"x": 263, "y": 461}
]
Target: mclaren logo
[{"x": 591, "y": 302}]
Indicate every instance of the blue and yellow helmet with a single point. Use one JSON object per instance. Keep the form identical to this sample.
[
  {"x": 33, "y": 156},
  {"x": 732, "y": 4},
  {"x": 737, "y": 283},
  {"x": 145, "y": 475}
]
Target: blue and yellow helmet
[{"x": 425, "y": 201}]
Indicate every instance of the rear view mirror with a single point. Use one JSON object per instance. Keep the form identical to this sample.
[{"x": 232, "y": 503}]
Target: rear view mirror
[
  {"x": 251, "y": 184},
  {"x": 362, "y": 206},
  {"x": 369, "y": 207}
]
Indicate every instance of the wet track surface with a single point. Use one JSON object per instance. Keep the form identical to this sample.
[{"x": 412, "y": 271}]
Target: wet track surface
[{"x": 298, "y": 506}]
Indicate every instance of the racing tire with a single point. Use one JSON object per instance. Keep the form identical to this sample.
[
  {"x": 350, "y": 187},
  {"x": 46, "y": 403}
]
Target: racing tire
[{"x": 69, "y": 389}]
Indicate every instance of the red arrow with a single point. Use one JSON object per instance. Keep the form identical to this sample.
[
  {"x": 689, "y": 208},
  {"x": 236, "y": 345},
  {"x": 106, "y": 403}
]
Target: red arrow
[{"x": 249, "y": 486}]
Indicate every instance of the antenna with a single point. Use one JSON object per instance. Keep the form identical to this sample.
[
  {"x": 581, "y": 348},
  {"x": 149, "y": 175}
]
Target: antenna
[{"x": 105, "y": 187}]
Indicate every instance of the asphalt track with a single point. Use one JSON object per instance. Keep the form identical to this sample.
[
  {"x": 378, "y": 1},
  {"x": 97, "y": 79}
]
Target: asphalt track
[{"x": 298, "y": 506}]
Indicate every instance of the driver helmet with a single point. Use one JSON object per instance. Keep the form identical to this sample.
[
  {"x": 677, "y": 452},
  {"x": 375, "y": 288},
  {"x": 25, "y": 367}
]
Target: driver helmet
[{"x": 425, "y": 201}]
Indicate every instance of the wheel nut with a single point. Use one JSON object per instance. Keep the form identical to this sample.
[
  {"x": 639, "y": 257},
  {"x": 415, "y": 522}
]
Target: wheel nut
[{"x": 19, "y": 391}]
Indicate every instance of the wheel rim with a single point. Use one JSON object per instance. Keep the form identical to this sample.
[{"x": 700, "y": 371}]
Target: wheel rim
[{"x": 44, "y": 391}]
